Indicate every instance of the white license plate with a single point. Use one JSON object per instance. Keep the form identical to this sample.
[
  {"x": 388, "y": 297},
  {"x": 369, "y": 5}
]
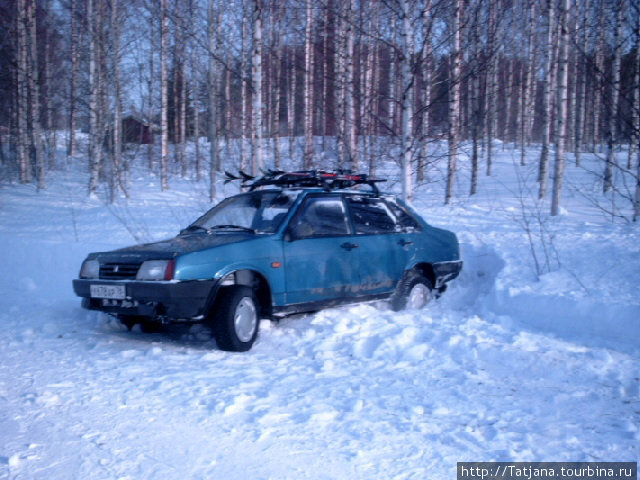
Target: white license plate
[{"x": 116, "y": 292}]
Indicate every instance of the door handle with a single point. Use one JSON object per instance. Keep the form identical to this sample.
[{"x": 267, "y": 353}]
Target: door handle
[
  {"x": 404, "y": 243},
  {"x": 349, "y": 246}
]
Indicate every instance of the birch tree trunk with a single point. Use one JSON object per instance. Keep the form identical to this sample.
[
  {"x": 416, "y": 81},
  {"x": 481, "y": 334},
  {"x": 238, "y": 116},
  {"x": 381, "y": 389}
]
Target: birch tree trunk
[
  {"x": 427, "y": 75},
  {"x": 636, "y": 123},
  {"x": 613, "y": 103},
  {"x": 278, "y": 73},
  {"x": 34, "y": 94},
  {"x": 596, "y": 97},
  {"x": 182, "y": 139},
  {"x": 454, "y": 101},
  {"x": 75, "y": 68},
  {"x": 561, "y": 109},
  {"x": 407, "y": 46},
  {"x": 212, "y": 89},
  {"x": 527, "y": 84},
  {"x": 291, "y": 102},
  {"x": 150, "y": 82},
  {"x": 50, "y": 129},
  {"x": 164, "y": 106},
  {"x": 196, "y": 106},
  {"x": 508, "y": 89},
  {"x": 634, "y": 148},
  {"x": 308, "y": 86},
  {"x": 23, "y": 96},
  {"x": 581, "y": 86},
  {"x": 244, "y": 95},
  {"x": 547, "y": 102},
  {"x": 95, "y": 148},
  {"x": 341, "y": 89},
  {"x": 474, "y": 118},
  {"x": 492, "y": 87},
  {"x": 117, "y": 117},
  {"x": 256, "y": 68},
  {"x": 393, "y": 77},
  {"x": 349, "y": 82}
]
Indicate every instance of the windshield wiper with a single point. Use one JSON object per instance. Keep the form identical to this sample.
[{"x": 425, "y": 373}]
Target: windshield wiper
[
  {"x": 237, "y": 227},
  {"x": 192, "y": 228}
]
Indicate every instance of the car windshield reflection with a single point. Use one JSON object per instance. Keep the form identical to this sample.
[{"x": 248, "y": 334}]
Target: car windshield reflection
[{"x": 254, "y": 212}]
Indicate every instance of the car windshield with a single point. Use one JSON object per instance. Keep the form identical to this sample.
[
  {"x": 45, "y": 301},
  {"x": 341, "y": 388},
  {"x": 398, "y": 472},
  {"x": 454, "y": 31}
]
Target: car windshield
[{"x": 259, "y": 212}]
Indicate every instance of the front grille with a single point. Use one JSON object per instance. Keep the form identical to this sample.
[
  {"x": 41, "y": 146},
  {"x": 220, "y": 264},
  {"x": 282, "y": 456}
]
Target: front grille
[{"x": 119, "y": 271}]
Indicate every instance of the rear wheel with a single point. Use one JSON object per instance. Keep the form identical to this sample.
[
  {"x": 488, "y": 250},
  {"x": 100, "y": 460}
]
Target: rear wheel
[
  {"x": 235, "y": 319},
  {"x": 414, "y": 291}
]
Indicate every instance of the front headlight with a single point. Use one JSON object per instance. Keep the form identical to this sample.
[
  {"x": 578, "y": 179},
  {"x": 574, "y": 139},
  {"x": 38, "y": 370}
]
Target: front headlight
[
  {"x": 90, "y": 269},
  {"x": 156, "y": 270}
]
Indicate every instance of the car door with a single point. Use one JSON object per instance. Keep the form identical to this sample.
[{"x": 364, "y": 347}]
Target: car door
[
  {"x": 319, "y": 252},
  {"x": 383, "y": 249}
]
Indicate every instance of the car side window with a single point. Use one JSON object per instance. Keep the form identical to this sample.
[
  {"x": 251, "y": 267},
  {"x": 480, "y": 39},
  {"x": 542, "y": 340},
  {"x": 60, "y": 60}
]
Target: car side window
[
  {"x": 404, "y": 218},
  {"x": 320, "y": 217},
  {"x": 371, "y": 215}
]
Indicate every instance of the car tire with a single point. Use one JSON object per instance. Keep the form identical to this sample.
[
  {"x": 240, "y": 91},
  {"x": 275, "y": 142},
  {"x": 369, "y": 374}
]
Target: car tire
[
  {"x": 414, "y": 291},
  {"x": 236, "y": 318}
]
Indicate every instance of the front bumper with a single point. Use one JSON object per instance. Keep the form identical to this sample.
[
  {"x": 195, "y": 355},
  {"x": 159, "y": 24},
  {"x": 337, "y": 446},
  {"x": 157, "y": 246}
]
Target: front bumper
[
  {"x": 182, "y": 300},
  {"x": 446, "y": 271}
]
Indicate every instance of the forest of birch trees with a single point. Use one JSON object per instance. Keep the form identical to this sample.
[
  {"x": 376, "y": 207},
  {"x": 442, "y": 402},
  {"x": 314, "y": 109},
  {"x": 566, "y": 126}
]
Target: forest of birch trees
[{"x": 320, "y": 84}]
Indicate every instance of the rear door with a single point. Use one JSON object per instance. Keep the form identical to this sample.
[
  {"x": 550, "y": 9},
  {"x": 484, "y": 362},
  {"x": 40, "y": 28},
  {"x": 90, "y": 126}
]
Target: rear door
[
  {"x": 319, "y": 251},
  {"x": 383, "y": 250}
]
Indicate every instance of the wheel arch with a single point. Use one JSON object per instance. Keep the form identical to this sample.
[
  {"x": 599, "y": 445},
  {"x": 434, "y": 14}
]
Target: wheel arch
[
  {"x": 249, "y": 278},
  {"x": 426, "y": 269}
]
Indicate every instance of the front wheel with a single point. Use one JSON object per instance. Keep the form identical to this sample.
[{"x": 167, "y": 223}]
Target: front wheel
[
  {"x": 236, "y": 319},
  {"x": 414, "y": 291}
]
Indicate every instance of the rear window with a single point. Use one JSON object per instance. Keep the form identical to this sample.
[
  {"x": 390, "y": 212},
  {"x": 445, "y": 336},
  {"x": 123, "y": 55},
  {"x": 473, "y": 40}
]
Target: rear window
[{"x": 371, "y": 215}]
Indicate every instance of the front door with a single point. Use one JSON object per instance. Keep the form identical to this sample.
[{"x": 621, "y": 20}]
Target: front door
[{"x": 319, "y": 252}]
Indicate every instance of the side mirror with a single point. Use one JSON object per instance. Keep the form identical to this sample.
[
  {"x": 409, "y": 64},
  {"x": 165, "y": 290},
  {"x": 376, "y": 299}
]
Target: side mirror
[{"x": 288, "y": 236}]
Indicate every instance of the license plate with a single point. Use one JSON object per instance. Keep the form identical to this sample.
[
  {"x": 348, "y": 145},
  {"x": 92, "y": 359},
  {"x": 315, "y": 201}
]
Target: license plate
[{"x": 116, "y": 292}]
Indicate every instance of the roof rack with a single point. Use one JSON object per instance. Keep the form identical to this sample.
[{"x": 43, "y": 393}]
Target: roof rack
[{"x": 306, "y": 178}]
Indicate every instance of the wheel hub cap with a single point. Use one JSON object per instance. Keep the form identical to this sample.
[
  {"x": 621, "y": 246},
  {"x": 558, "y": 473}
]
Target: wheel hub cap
[{"x": 245, "y": 319}]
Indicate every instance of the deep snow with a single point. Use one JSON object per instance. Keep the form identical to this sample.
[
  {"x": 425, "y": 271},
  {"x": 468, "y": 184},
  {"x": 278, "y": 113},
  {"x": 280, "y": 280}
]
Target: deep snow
[{"x": 508, "y": 365}]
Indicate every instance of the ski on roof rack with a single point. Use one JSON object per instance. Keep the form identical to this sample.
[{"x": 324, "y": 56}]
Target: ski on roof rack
[{"x": 306, "y": 178}]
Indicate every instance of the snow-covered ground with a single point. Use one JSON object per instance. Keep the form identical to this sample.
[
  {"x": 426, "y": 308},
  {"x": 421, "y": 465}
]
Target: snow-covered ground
[{"x": 510, "y": 364}]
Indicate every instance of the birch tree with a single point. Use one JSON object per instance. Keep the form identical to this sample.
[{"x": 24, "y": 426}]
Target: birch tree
[
  {"x": 528, "y": 73},
  {"x": 212, "y": 90},
  {"x": 636, "y": 123},
  {"x": 407, "y": 47},
  {"x": 349, "y": 90},
  {"x": 547, "y": 106},
  {"x": 34, "y": 93},
  {"x": 427, "y": 75},
  {"x": 23, "y": 95},
  {"x": 256, "y": 82},
  {"x": 94, "y": 15},
  {"x": 164, "y": 104},
  {"x": 75, "y": 70},
  {"x": 492, "y": 85},
  {"x": 634, "y": 148},
  {"x": 581, "y": 85},
  {"x": 117, "y": 117},
  {"x": 561, "y": 109},
  {"x": 615, "y": 93},
  {"x": 308, "y": 85},
  {"x": 454, "y": 100}
]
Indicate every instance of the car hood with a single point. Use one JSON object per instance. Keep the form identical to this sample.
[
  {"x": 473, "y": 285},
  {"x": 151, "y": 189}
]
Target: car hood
[{"x": 178, "y": 245}]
